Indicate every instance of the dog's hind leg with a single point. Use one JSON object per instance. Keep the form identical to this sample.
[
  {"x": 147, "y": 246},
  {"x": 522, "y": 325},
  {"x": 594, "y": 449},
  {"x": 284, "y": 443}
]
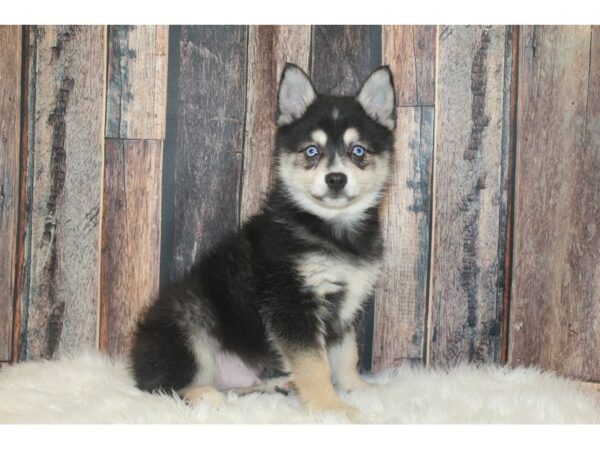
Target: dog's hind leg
[
  {"x": 162, "y": 359},
  {"x": 194, "y": 395},
  {"x": 282, "y": 385},
  {"x": 205, "y": 349}
]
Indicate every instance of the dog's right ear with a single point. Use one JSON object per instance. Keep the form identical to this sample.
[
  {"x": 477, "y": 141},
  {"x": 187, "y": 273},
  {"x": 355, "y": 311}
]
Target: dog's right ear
[{"x": 296, "y": 93}]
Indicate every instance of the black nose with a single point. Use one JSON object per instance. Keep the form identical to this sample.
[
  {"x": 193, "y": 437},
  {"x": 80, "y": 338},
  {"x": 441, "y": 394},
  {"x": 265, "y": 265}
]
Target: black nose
[{"x": 336, "y": 181}]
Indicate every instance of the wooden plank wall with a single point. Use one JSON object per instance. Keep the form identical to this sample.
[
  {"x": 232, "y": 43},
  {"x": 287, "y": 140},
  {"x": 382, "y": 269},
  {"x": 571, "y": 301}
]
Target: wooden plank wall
[{"x": 133, "y": 149}]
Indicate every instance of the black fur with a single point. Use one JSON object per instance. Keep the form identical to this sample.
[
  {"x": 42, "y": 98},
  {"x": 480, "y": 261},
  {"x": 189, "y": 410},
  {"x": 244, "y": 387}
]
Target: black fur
[{"x": 246, "y": 292}]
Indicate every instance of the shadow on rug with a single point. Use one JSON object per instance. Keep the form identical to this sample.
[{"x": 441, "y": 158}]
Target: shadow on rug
[{"x": 95, "y": 389}]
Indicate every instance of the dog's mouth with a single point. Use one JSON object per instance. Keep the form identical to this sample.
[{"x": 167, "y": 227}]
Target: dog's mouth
[{"x": 335, "y": 199}]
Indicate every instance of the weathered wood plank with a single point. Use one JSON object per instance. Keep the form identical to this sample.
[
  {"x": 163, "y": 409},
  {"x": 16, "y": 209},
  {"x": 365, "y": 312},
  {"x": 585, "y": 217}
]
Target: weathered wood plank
[
  {"x": 68, "y": 111},
  {"x": 130, "y": 238},
  {"x": 342, "y": 58},
  {"x": 409, "y": 50},
  {"x": 205, "y": 153},
  {"x": 469, "y": 196},
  {"x": 555, "y": 309},
  {"x": 401, "y": 297},
  {"x": 10, "y": 112},
  {"x": 137, "y": 82},
  {"x": 507, "y": 220},
  {"x": 25, "y": 174},
  {"x": 269, "y": 48},
  {"x": 136, "y": 111}
]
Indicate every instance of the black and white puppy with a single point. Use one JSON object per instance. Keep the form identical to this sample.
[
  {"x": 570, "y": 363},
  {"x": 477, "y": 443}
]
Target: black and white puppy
[{"x": 278, "y": 300}]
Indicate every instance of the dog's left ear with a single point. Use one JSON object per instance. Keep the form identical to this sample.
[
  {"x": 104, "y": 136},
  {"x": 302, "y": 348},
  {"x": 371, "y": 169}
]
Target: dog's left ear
[{"x": 377, "y": 97}]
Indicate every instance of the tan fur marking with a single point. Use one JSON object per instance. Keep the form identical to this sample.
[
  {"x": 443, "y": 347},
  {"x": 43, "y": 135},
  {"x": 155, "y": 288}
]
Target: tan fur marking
[
  {"x": 196, "y": 394},
  {"x": 320, "y": 137},
  {"x": 351, "y": 135},
  {"x": 312, "y": 378}
]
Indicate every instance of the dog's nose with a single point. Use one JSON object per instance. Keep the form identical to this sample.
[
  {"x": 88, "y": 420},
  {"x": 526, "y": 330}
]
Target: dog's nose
[{"x": 336, "y": 181}]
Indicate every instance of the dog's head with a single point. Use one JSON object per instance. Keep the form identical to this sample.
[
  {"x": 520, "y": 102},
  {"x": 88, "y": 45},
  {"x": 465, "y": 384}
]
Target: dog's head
[{"x": 334, "y": 152}]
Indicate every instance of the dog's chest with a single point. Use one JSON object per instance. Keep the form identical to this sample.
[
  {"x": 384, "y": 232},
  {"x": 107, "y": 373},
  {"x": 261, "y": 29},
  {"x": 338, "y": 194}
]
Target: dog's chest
[{"x": 354, "y": 280}]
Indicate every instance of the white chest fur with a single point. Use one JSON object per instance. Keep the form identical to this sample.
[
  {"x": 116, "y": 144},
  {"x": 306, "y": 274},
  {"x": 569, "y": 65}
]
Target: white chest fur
[{"x": 325, "y": 274}]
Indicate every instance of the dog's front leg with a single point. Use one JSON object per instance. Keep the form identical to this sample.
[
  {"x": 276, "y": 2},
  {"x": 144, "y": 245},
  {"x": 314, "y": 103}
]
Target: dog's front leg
[
  {"x": 311, "y": 375},
  {"x": 343, "y": 358},
  {"x": 291, "y": 313}
]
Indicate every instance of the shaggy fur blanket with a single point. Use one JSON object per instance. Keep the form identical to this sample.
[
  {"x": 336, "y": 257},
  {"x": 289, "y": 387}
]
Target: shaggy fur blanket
[{"x": 95, "y": 389}]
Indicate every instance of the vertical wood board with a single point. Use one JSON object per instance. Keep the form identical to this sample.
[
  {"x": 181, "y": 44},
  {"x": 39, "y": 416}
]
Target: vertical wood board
[
  {"x": 130, "y": 238},
  {"x": 555, "y": 309},
  {"x": 68, "y": 123},
  {"x": 10, "y": 112},
  {"x": 137, "y": 82},
  {"x": 409, "y": 50},
  {"x": 401, "y": 297},
  {"x": 208, "y": 143},
  {"x": 343, "y": 56},
  {"x": 465, "y": 306}
]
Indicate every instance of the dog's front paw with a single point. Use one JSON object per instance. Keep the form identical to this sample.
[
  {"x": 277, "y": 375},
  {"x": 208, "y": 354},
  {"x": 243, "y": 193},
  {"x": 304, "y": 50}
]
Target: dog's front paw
[
  {"x": 354, "y": 383},
  {"x": 335, "y": 405},
  {"x": 353, "y": 414}
]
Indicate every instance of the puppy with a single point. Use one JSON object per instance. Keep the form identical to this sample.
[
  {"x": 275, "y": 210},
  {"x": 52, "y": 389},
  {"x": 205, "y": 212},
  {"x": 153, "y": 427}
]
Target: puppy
[{"x": 277, "y": 302}]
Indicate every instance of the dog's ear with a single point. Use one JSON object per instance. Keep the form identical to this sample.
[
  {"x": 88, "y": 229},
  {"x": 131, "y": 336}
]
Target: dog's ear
[
  {"x": 377, "y": 97},
  {"x": 296, "y": 93}
]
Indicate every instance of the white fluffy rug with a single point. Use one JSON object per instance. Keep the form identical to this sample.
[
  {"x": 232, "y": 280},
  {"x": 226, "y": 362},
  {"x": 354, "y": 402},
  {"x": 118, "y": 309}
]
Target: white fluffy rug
[{"x": 94, "y": 389}]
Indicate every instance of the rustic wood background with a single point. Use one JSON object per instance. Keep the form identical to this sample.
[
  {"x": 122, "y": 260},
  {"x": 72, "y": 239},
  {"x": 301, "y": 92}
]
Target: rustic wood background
[{"x": 125, "y": 151}]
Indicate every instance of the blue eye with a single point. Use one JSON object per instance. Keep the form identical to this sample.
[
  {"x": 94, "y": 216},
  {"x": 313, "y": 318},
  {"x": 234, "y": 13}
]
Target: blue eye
[
  {"x": 358, "y": 151},
  {"x": 311, "y": 151}
]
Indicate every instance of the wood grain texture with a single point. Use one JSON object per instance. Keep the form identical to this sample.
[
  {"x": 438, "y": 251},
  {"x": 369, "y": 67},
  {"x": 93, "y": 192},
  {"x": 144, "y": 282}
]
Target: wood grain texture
[
  {"x": 409, "y": 50},
  {"x": 269, "y": 48},
  {"x": 130, "y": 238},
  {"x": 401, "y": 297},
  {"x": 207, "y": 153},
  {"x": 507, "y": 220},
  {"x": 25, "y": 174},
  {"x": 469, "y": 198},
  {"x": 68, "y": 130},
  {"x": 342, "y": 57},
  {"x": 10, "y": 112},
  {"x": 555, "y": 309},
  {"x": 137, "y": 82}
]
